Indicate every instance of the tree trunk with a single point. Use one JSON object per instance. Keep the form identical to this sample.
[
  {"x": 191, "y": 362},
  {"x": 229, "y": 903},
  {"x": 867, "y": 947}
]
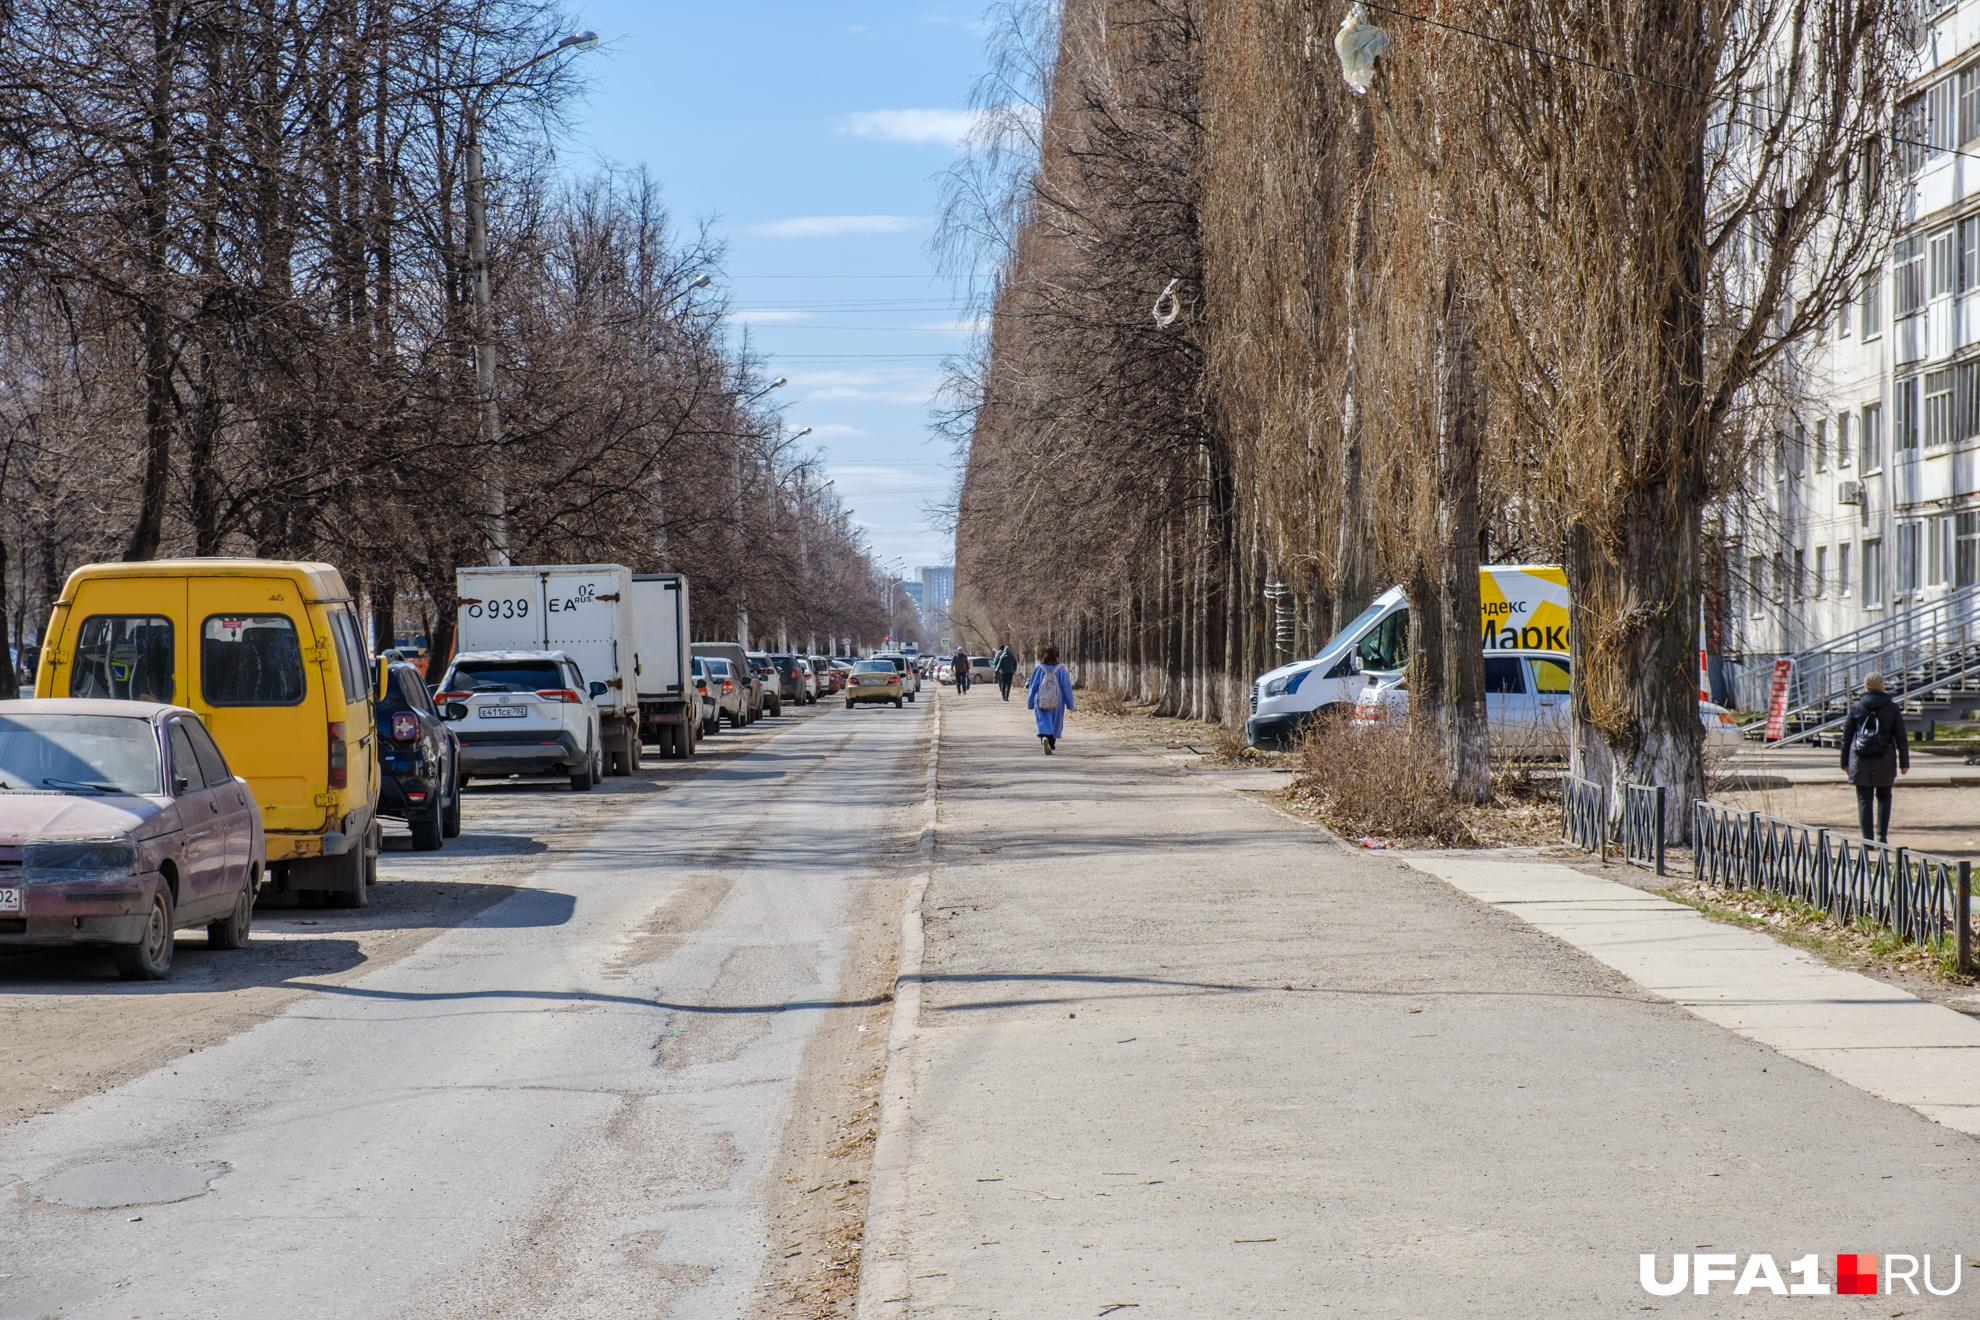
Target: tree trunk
[
  {"x": 1354, "y": 586},
  {"x": 1459, "y": 441}
]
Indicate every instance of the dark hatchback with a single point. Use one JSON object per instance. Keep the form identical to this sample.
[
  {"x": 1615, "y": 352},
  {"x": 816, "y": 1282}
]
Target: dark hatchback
[{"x": 419, "y": 760}]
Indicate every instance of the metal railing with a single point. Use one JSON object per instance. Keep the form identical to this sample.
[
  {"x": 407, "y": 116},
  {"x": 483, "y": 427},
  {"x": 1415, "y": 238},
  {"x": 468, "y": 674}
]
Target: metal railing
[
  {"x": 1930, "y": 649},
  {"x": 1643, "y": 826},
  {"x": 1585, "y": 815},
  {"x": 1921, "y": 897}
]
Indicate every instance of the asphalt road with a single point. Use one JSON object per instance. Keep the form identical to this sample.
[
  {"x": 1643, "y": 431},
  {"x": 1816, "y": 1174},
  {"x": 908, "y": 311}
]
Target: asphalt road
[{"x": 574, "y": 1102}]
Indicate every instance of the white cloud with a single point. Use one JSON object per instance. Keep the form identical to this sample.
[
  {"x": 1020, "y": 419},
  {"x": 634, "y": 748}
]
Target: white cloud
[
  {"x": 948, "y": 127},
  {"x": 836, "y": 431},
  {"x": 834, "y": 226}
]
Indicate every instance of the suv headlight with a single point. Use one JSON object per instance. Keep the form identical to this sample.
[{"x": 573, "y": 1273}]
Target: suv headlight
[{"x": 56, "y": 861}]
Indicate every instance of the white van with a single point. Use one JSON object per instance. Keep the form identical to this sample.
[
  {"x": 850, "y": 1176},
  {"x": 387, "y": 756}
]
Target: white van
[{"x": 1522, "y": 607}]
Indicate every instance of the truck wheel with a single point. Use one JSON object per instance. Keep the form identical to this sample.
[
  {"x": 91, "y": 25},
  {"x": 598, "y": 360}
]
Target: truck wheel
[
  {"x": 150, "y": 959},
  {"x": 688, "y": 738},
  {"x": 633, "y": 750}
]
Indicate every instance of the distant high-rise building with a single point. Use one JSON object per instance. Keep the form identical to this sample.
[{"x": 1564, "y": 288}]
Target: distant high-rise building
[
  {"x": 918, "y": 594},
  {"x": 938, "y": 592}
]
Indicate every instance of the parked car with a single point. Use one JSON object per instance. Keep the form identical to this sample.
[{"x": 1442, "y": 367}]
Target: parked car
[
  {"x": 1526, "y": 704},
  {"x": 120, "y": 823},
  {"x": 419, "y": 759},
  {"x": 873, "y": 680},
  {"x": 811, "y": 682},
  {"x": 707, "y": 694},
  {"x": 793, "y": 679},
  {"x": 770, "y": 684},
  {"x": 730, "y": 691},
  {"x": 982, "y": 669},
  {"x": 742, "y": 671},
  {"x": 904, "y": 666},
  {"x": 831, "y": 679},
  {"x": 525, "y": 713},
  {"x": 270, "y": 656}
]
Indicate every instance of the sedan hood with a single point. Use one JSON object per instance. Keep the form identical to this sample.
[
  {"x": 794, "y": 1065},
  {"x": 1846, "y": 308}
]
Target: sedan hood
[{"x": 26, "y": 816}]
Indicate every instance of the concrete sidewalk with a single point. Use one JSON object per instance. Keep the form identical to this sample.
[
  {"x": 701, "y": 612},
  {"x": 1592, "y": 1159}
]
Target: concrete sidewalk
[{"x": 1182, "y": 1055}]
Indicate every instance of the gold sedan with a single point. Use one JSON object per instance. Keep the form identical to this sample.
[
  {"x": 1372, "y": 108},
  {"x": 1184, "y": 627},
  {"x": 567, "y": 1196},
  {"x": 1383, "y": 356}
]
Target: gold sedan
[{"x": 873, "y": 680}]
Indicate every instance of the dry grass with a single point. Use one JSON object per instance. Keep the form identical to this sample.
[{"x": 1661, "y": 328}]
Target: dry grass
[
  {"x": 1100, "y": 701},
  {"x": 1864, "y": 946},
  {"x": 1381, "y": 781}
]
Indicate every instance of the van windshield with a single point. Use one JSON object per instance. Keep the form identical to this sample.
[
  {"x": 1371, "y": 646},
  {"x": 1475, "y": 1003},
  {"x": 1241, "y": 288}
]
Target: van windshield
[
  {"x": 1353, "y": 630},
  {"x": 505, "y": 676}
]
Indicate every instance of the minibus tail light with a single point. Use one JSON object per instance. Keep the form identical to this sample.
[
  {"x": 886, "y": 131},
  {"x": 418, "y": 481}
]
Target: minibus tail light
[{"x": 340, "y": 774}]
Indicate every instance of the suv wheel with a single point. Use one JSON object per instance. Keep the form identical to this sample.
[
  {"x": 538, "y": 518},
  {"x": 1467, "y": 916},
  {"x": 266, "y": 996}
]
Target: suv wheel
[
  {"x": 581, "y": 781},
  {"x": 427, "y": 833}
]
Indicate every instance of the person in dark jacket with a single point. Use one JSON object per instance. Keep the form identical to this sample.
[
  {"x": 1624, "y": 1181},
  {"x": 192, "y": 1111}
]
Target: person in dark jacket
[
  {"x": 1006, "y": 667},
  {"x": 1877, "y": 718}
]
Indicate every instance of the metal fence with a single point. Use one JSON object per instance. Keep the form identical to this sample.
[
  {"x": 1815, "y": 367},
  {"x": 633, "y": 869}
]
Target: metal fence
[
  {"x": 1585, "y": 815},
  {"x": 1643, "y": 826},
  {"x": 1923, "y": 898}
]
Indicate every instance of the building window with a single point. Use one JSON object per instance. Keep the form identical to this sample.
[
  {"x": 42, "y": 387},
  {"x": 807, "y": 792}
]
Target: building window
[
  {"x": 1969, "y": 104},
  {"x": 1908, "y": 276},
  {"x": 1939, "y": 407},
  {"x": 1843, "y": 438},
  {"x": 1913, "y": 136},
  {"x": 1904, "y": 405},
  {"x": 1966, "y": 401},
  {"x": 1966, "y": 549},
  {"x": 1756, "y": 586},
  {"x": 1798, "y": 582},
  {"x": 1942, "y": 116},
  {"x": 1938, "y": 550},
  {"x": 1870, "y": 442},
  {"x": 1873, "y": 302},
  {"x": 1940, "y": 267},
  {"x": 1842, "y": 569},
  {"x": 1819, "y": 583},
  {"x": 1822, "y": 444},
  {"x": 1910, "y": 537},
  {"x": 1969, "y": 252},
  {"x": 1873, "y": 574}
]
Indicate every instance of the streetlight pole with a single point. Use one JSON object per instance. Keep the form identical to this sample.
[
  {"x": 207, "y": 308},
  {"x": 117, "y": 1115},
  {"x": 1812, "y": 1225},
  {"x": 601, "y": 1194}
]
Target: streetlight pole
[{"x": 494, "y": 488}]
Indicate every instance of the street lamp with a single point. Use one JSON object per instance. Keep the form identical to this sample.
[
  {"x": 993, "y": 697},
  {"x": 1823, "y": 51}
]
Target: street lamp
[{"x": 495, "y": 495}]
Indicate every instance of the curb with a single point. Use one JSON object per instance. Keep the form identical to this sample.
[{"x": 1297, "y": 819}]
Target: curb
[{"x": 883, "y": 1280}]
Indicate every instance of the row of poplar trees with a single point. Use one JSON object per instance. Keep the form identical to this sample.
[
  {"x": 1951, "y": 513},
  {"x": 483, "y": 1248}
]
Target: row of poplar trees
[
  {"x": 237, "y": 317},
  {"x": 1261, "y": 346}
]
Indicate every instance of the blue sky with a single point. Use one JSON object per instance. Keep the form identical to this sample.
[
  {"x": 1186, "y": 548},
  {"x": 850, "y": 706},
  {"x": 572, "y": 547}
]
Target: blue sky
[{"x": 812, "y": 134}]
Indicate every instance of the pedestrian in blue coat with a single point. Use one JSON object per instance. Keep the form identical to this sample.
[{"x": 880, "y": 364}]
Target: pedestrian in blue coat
[{"x": 1050, "y": 697}]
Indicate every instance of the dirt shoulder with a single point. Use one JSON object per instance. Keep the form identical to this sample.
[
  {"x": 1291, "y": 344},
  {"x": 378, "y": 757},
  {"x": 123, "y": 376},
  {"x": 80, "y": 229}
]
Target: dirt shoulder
[{"x": 69, "y": 1027}]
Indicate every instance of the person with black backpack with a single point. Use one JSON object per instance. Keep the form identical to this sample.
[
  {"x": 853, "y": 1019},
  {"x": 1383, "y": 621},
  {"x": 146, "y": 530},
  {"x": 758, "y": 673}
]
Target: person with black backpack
[{"x": 1874, "y": 751}]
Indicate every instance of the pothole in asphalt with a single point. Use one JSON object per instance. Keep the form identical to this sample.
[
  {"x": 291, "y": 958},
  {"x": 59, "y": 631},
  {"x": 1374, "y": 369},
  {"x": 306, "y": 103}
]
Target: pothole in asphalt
[{"x": 117, "y": 1184}]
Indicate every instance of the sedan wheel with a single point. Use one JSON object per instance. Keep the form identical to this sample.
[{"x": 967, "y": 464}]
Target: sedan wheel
[
  {"x": 150, "y": 959},
  {"x": 232, "y": 932}
]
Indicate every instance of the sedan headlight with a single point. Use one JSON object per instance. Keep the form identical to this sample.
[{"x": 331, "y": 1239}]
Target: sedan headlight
[{"x": 56, "y": 861}]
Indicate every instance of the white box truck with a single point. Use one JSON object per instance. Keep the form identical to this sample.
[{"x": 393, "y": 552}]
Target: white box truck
[
  {"x": 662, "y": 664},
  {"x": 583, "y": 610}
]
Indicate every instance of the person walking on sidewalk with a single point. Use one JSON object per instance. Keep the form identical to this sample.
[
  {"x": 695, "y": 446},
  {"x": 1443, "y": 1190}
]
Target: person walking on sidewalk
[
  {"x": 1874, "y": 753},
  {"x": 959, "y": 671},
  {"x": 1006, "y": 667},
  {"x": 1050, "y": 697}
]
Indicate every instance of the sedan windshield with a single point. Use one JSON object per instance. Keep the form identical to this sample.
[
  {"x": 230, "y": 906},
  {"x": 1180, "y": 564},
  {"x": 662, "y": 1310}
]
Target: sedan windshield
[
  {"x": 78, "y": 753},
  {"x": 505, "y": 676}
]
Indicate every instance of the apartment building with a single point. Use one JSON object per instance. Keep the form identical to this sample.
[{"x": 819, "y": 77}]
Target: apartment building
[{"x": 1872, "y": 504}]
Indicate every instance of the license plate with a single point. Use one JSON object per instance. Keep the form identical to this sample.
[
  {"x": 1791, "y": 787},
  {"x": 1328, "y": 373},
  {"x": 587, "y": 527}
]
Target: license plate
[
  {"x": 10, "y": 900},
  {"x": 503, "y": 712}
]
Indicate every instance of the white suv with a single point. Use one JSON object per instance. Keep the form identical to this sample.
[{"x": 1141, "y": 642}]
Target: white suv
[
  {"x": 910, "y": 676},
  {"x": 529, "y": 713}
]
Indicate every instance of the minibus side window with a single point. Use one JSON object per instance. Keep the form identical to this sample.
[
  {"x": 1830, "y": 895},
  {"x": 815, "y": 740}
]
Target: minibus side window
[
  {"x": 251, "y": 660},
  {"x": 350, "y": 656},
  {"x": 124, "y": 657}
]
